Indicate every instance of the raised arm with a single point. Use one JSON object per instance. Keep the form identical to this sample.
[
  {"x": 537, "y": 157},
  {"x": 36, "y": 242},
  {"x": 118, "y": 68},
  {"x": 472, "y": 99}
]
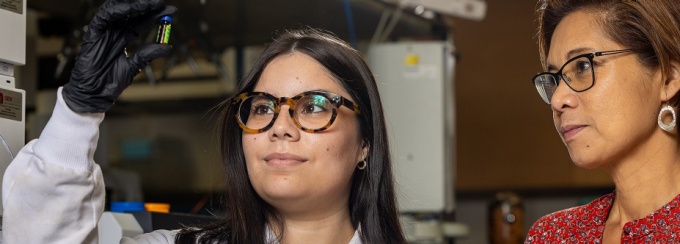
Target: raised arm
[{"x": 53, "y": 192}]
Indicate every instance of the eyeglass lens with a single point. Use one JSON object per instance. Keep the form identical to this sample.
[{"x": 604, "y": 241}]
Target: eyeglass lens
[
  {"x": 310, "y": 111},
  {"x": 577, "y": 74}
]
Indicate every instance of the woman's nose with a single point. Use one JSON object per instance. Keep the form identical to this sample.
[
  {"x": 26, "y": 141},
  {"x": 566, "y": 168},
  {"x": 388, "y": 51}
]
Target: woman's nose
[
  {"x": 563, "y": 97},
  {"x": 284, "y": 127}
]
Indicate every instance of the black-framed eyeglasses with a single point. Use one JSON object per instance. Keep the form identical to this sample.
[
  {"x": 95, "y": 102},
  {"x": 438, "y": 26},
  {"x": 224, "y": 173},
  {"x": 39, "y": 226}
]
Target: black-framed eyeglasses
[
  {"x": 312, "y": 111},
  {"x": 578, "y": 73}
]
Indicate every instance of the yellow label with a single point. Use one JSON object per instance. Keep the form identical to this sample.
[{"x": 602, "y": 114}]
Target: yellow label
[
  {"x": 163, "y": 36},
  {"x": 166, "y": 34},
  {"x": 411, "y": 60}
]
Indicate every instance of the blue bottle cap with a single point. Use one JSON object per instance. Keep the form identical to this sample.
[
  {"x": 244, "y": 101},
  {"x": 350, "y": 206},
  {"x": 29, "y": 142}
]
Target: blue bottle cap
[
  {"x": 127, "y": 207},
  {"x": 167, "y": 18}
]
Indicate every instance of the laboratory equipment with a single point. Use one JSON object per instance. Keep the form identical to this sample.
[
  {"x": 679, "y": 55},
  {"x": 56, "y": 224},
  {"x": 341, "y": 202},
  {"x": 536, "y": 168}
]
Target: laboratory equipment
[
  {"x": 12, "y": 99},
  {"x": 415, "y": 80},
  {"x": 506, "y": 219},
  {"x": 467, "y": 9},
  {"x": 164, "y": 28},
  {"x": 413, "y": 83},
  {"x": 416, "y": 85}
]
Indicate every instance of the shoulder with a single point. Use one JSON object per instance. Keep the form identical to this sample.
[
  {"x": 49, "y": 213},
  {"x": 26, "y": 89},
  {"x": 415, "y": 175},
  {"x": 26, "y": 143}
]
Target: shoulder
[
  {"x": 572, "y": 223},
  {"x": 554, "y": 226},
  {"x": 154, "y": 237}
]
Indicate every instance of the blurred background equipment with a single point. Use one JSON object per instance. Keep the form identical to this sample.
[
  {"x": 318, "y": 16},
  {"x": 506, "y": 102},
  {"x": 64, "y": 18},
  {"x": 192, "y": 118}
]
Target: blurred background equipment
[
  {"x": 466, "y": 9},
  {"x": 416, "y": 83},
  {"x": 12, "y": 100},
  {"x": 506, "y": 219},
  {"x": 207, "y": 29}
]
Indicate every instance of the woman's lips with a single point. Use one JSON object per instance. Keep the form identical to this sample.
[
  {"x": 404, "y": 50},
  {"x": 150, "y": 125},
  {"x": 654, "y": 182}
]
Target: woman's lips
[
  {"x": 283, "y": 159},
  {"x": 570, "y": 131}
]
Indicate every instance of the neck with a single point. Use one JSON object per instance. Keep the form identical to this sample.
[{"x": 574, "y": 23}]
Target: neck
[
  {"x": 330, "y": 227},
  {"x": 646, "y": 179}
]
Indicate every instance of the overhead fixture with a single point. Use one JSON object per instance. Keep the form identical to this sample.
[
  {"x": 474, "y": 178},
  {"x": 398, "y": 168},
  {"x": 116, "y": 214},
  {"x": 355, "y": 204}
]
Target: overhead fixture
[{"x": 467, "y": 9}]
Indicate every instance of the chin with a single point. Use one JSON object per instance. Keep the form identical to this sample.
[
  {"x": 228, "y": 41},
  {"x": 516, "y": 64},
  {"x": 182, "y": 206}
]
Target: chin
[
  {"x": 281, "y": 190},
  {"x": 276, "y": 197},
  {"x": 586, "y": 165},
  {"x": 585, "y": 154},
  {"x": 584, "y": 161}
]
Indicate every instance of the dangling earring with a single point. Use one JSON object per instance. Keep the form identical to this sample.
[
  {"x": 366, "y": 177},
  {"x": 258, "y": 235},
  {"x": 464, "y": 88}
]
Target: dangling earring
[
  {"x": 667, "y": 127},
  {"x": 362, "y": 165}
]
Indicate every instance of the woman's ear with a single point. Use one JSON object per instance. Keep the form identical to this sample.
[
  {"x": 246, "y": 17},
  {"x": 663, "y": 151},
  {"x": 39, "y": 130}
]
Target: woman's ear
[
  {"x": 671, "y": 85},
  {"x": 365, "y": 148}
]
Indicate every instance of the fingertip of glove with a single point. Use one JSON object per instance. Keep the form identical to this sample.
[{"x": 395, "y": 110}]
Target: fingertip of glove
[
  {"x": 167, "y": 10},
  {"x": 170, "y": 9},
  {"x": 163, "y": 49},
  {"x": 148, "y": 53}
]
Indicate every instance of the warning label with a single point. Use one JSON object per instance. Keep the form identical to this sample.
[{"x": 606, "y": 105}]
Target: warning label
[
  {"x": 16, "y": 6},
  {"x": 10, "y": 105}
]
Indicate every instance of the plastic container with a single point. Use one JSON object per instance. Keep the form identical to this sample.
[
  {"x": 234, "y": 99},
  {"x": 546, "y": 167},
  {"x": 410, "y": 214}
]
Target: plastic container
[
  {"x": 127, "y": 207},
  {"x": 506, "y": 219},
  {"x": 164, "y": 28},
  {"x": 157, "y": 207}
]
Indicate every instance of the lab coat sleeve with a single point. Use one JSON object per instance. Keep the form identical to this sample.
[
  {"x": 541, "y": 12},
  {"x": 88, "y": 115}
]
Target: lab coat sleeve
[
  {"x": 53, "y": 192},
  {"x": 155, "y": 237}
]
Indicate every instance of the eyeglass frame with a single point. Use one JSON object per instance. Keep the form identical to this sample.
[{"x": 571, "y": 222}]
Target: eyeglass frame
[
  {"x": 559, "y": 76},
  {"x": 336, "y": 101}
]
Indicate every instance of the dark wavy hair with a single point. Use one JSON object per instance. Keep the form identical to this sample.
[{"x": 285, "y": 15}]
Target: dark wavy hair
[{"x": 372, "y": 200}]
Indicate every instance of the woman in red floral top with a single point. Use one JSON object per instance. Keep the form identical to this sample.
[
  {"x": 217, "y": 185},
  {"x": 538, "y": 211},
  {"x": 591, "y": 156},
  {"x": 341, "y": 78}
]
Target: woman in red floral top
[{"x": 612, "y": 81}]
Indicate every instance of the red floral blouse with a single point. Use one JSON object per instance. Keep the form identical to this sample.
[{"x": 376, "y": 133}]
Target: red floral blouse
[{"x": 585, "y": 224}]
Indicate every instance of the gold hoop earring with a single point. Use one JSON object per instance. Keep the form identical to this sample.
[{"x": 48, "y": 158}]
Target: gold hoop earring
[{"x": 362, "y": 165}]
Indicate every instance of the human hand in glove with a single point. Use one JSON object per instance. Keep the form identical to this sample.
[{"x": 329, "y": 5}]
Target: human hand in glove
[{"x": 102, "y": 69}]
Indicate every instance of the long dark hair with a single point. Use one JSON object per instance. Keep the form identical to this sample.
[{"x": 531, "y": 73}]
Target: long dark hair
[{"x": 372, "y": 200}]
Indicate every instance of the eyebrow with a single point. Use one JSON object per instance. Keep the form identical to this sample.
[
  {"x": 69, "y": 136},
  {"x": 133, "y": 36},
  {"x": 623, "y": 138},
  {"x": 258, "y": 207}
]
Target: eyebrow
[
  {"x": 578, "y": 51},
  {"x": 319, "y": 90},
  {"x": 571, "y": 54},
  {"x": 315, "y": 90}
]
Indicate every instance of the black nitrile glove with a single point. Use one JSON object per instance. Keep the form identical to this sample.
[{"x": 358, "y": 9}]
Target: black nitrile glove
[{"x": 102, "y": 69}]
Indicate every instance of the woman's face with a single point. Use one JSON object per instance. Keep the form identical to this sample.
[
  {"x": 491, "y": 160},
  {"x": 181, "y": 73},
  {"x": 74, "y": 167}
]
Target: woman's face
[
  {"x": 296, "y": 170},
  {"x": 618, "y": 114}
]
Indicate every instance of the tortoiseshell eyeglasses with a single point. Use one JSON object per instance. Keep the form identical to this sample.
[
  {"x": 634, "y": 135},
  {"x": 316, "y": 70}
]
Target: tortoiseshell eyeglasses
[{"x": 312, "y": 111}]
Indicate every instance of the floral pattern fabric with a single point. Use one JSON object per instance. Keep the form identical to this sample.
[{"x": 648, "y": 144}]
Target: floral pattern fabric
[{"x": 585, "y": 224}]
